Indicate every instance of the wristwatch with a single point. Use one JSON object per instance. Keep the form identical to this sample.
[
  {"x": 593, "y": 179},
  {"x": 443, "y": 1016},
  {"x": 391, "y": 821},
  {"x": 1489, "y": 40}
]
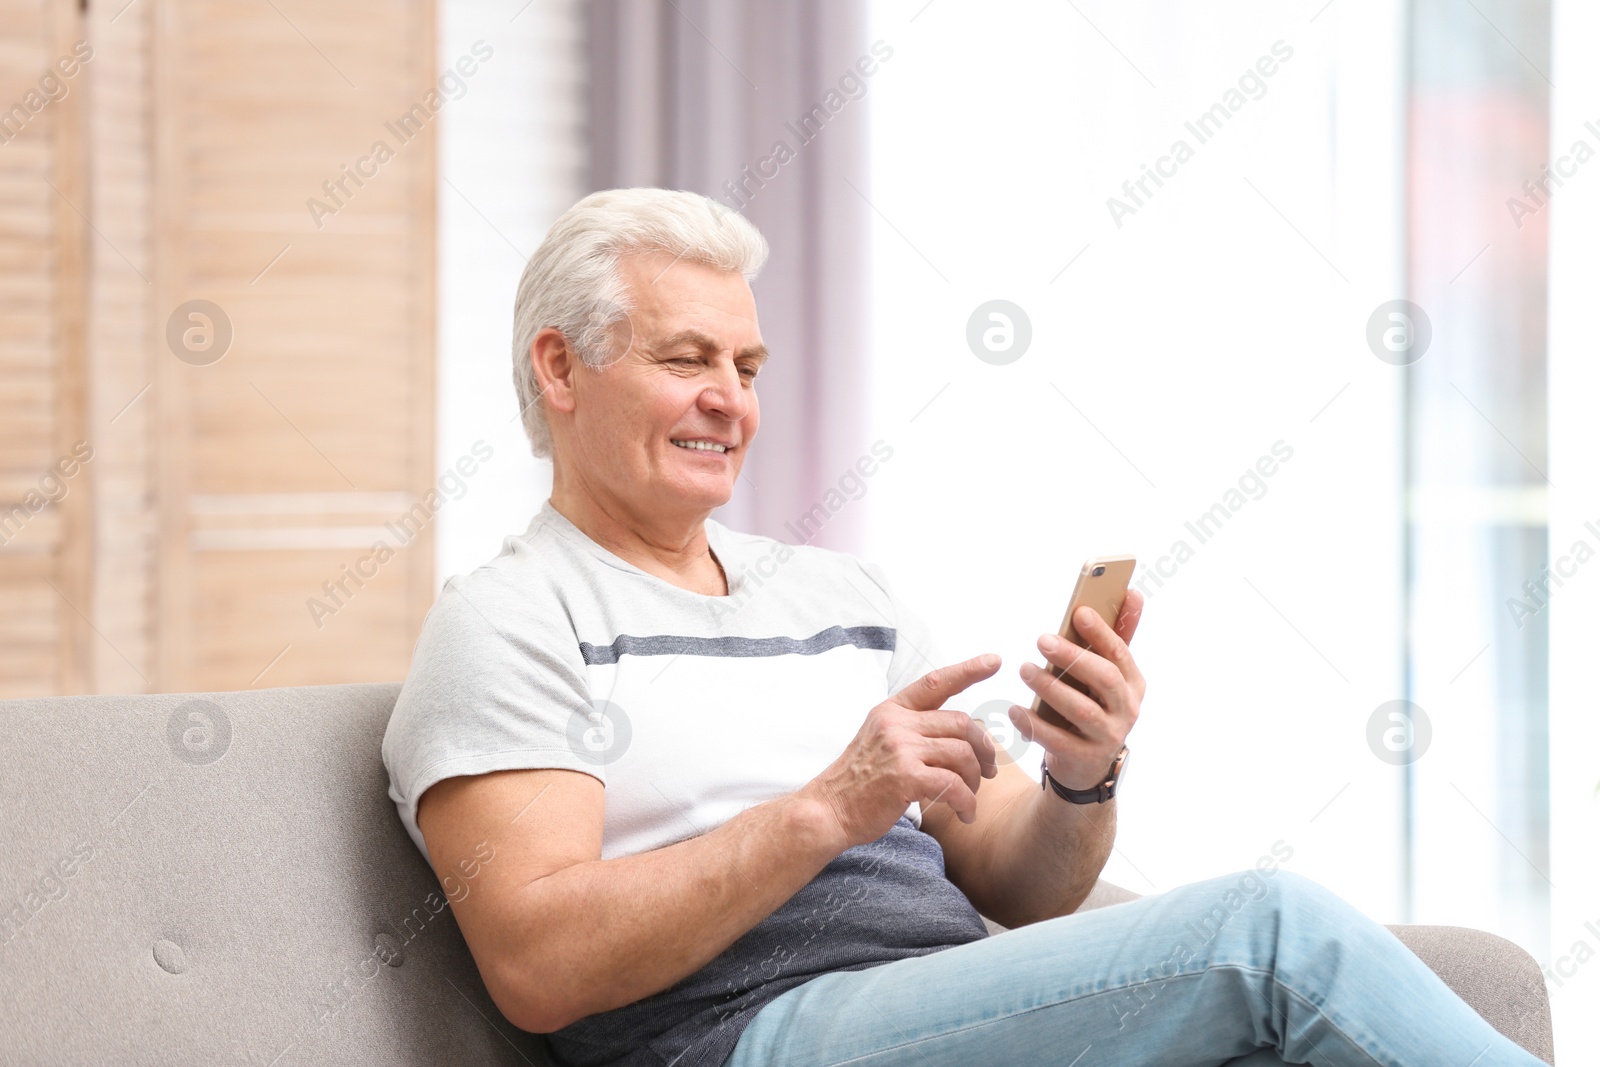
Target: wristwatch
[{"x": 1099, "y": 794}]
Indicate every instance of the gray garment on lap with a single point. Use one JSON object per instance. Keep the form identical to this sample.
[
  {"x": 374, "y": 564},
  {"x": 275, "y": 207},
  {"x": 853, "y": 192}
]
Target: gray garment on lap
[{"x": 875, "y": 903}]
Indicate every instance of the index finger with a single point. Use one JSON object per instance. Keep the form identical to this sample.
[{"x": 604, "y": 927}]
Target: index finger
[{"x": 931, "y": 690}]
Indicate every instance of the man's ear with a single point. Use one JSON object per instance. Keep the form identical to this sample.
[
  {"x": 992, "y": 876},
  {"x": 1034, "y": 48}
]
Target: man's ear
[{"x": 553, "y": 366}]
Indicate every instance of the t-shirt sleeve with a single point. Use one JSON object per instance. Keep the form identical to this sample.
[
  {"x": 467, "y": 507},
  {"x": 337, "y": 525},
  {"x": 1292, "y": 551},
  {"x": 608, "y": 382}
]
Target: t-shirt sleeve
[
  {"x": 495, "y": 684},
  {"x": 915, "y": 651}
]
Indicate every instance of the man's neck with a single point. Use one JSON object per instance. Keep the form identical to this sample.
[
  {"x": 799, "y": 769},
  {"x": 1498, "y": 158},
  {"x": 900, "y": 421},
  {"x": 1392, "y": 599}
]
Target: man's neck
[{"x": 674, "y": 551}]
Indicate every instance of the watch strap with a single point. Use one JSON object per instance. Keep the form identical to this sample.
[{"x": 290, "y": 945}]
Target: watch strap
[{"x": 1101, "y": 793}]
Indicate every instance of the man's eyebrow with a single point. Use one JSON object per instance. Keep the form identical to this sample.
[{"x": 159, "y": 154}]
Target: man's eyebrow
[{"x": 706, "y": 344}]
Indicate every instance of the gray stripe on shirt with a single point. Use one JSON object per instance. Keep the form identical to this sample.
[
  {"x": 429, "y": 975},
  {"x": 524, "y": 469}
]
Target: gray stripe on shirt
[{"x": 880, "y": 638}]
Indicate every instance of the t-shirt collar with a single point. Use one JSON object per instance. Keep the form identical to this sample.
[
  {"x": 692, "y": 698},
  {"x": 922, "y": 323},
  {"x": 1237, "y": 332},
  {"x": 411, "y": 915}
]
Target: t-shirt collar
[{"x": 716, "y": 537}]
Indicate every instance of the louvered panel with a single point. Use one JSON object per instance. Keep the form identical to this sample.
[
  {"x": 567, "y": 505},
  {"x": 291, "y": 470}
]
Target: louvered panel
[
  {"x": 17, "y": 288},
  {"x": 24, "y": 209},
  {"x": 26, "y": 419},
  {"x": 122, "y": 345},
  {"x": 27, "y": 282},
  {"x": 225, "y": 494},
  {"x": 327, "y": 367},
  {"x": 327, "y": 388},
  {"x": 28, "y": 627},
  {"x": 38, "y": 535},
  {"x": 43, "y": 562},
  {"x": 287, "y": 437},
  {"x": 356, "y": 640}
]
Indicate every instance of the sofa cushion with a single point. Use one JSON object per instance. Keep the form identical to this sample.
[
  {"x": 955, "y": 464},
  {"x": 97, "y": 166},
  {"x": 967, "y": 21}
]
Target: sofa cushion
[{"x": 222, "y": 878}]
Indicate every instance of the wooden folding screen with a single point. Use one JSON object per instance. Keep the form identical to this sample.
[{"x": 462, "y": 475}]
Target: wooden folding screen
[
  {"x": 228, "y": 296},
  {"x": 44, "y": 487}
]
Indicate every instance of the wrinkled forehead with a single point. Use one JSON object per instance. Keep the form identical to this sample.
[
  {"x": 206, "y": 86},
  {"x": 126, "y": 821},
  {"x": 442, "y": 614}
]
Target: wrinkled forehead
[{"x": 680, "y": 301}]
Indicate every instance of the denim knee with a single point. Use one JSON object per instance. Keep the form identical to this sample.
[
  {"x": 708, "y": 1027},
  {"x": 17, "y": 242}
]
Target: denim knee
[
  {"x": 1306, "y": 918},
  {"x": 1291, "y": 891},
  {"x": 1293, "y": 887},
  {"x": 1287, "y": 894},
  {"x": 1255, "y": 887},
  {"x": 1238, "y": 909}
]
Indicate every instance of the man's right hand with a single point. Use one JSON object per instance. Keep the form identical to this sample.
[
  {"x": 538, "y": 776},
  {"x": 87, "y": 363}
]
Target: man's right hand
[{"x": 910, "y": 749}]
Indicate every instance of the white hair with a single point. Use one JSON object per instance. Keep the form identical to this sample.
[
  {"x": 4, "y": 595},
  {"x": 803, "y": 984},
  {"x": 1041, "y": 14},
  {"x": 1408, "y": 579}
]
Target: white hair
[{"x": 573, "y": 283}]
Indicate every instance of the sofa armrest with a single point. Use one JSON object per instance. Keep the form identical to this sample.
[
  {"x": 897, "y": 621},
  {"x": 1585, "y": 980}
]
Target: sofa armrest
[
  {"x": 1500, "y": 980},
  {"x": 1497, "y": 977}
]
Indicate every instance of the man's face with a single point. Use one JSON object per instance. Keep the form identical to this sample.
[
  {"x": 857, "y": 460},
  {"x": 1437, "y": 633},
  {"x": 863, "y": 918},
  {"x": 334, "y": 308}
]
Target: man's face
[{"x": 680, "y": 380}]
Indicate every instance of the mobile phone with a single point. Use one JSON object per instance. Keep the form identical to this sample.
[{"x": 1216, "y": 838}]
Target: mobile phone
[{"x": 1102, "y": 585}]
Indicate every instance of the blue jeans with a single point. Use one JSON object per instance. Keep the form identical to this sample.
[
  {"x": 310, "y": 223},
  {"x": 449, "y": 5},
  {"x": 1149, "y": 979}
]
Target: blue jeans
[{"x": 1254, "y": 968}]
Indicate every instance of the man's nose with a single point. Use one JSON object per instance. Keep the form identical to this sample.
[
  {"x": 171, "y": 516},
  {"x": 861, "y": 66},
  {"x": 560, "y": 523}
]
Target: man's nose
[{"x": 725, "y": 394}]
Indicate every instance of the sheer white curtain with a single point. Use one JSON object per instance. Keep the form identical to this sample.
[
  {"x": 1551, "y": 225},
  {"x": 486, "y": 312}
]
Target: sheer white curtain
[
  {"x": 1169, "y": 356},
  {"x": 1574, "y": 959},
  {"x": 512, "y": 157}
]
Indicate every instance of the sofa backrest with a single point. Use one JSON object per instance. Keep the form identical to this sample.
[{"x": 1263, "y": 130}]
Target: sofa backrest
[{"x": 222, "y": 878}]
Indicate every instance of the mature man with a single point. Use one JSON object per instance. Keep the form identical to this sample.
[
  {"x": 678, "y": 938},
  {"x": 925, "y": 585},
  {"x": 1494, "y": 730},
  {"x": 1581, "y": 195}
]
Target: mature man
[{"x": 755, "y": 837}]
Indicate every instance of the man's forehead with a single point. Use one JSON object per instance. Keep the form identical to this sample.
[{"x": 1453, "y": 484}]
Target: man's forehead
[
  {"x": 651, "y": 270},
  {"x": 668, "y": 290}
]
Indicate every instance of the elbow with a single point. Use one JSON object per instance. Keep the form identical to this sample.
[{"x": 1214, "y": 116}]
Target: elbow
[
  {"x": 523, "y": 1017},
  {"x": 533, "y": 1023},
  {"x": 532, "y": 1017},
  {"x": 525, "y": 1008},
  {"x": 1076, "y": 900}
]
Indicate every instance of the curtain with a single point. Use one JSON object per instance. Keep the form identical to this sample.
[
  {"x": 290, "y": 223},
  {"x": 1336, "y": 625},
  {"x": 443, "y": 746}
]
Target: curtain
[{"x": 764, "y": 108}]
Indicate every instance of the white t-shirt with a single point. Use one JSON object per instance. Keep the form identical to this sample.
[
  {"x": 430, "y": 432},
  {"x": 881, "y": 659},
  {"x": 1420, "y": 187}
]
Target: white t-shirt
[{"x": 689, "y": 708}]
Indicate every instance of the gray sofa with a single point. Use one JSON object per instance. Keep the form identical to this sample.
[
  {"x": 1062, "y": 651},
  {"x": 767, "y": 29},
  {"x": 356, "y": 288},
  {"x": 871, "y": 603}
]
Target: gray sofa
[{"x": 222, "y": 879}]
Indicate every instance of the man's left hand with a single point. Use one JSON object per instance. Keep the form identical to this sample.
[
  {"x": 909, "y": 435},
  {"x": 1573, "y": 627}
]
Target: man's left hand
[{"x": 1107, "y": 669}]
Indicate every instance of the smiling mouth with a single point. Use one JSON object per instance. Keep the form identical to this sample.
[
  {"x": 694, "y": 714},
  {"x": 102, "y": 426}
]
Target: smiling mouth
[{"x": 699, "y": 445}]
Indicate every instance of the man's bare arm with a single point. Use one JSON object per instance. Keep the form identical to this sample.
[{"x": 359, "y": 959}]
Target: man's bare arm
[
  {"x": 1030, "y": 855},
  {"x": 559, "y": 934}
]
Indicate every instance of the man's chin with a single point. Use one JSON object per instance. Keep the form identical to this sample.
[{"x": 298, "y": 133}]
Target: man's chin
[{"x": 704, "y": 494}]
